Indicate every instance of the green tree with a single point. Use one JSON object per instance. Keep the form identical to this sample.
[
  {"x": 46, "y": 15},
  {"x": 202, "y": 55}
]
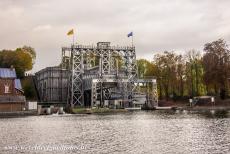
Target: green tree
[
  {"x": 145, "y": 68},
  {"x": 166, "y": 67},
  {"x": 29, "y": 50},
  {"x": 194, "y": 73},
  {"x": 20, "y": 59}
]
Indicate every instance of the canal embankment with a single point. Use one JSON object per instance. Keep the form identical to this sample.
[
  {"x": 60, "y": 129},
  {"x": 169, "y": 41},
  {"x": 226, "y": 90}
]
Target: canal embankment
[
  {"x": 96, "y": 110},
  {"x": 204, "y": 105},
  {"x": 18, "y": 113}
]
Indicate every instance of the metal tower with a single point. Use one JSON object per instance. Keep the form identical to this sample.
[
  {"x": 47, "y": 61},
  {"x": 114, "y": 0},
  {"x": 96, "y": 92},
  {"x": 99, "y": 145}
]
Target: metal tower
[{"x": 94, "y": 70}]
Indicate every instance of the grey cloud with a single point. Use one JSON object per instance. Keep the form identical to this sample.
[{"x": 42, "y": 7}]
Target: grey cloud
[{"x": 157, "y": 25}]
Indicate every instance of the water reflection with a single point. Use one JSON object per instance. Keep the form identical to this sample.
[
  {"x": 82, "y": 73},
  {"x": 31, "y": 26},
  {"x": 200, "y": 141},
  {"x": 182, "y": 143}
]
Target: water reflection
[{"x": 133, "y": 132}]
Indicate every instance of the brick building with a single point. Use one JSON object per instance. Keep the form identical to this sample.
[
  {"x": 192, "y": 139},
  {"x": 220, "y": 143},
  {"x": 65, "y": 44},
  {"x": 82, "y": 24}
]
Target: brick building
[{"x": 11, "y": 93}]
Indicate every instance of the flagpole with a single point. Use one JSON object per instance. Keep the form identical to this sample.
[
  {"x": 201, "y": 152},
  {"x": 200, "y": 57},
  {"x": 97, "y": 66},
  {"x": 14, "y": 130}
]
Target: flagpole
[{"x": 131, "y": 34}]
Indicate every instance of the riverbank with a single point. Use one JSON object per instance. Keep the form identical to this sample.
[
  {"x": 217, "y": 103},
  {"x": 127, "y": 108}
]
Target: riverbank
[
  {"x": 219, "y": 104},
  {"x": 180, "y": 106},
  {"x": 17, "y": 114},
  {"x": 221, "y": 108},
  {"x": 204, "y": 108},
  {"x": 96, "y": 110}
]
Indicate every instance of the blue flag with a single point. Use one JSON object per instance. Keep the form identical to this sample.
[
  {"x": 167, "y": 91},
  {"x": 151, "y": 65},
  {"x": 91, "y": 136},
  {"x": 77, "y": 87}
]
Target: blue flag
[{"x": 130, "y": 34}]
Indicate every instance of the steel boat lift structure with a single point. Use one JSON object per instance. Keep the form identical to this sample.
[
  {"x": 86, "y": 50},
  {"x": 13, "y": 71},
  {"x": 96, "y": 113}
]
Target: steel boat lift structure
[{"x": 96, "y": 75}]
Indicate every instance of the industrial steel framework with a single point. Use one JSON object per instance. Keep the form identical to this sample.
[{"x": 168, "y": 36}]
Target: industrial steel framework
[{"x": 80, "y": 60}]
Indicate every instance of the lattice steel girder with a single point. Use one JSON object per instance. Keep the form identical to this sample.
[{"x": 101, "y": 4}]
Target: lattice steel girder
[
  {"x": 77, "y": 92},
  {"x": 93, "y": 47},
  {"x": 106, "y": 61},
  {"x": 94, "y": 93},
  {"x": 155, "y": 96},
  {"x": 107, "y": 93},
  {"x": 95, "y": 80},
  {"x": 63, "y": 64},
  {"x": 125, "y": 91},
  {"x": 77, "y": 68},
  {"x": 88, "y": 59},
  {"x": 65, "y": 59},
  {"x": 132, "y": 65}
]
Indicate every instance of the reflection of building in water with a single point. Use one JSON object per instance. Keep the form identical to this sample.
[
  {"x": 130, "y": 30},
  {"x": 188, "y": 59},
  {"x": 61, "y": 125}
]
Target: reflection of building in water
[{"x": 101, "y": 75}]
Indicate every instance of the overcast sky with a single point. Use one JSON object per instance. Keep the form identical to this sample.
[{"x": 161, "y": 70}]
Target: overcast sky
[{"x": 158, "y": 25}]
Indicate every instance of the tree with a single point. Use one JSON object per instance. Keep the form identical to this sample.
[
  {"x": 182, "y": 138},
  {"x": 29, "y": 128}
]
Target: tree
[
  {"x": 21, "y": 59},
  {"x": 181, "y": 74},
  {"x": 216, "y": 65},
  {"x": 166, "y": 72},
  {"x": 145, "y": 68},
  {"x": 194, "y": 73},
  {"x": 190, "y": 74},
  {"x": 29, "y": 50},
  {"x": 29, "y": 91}
]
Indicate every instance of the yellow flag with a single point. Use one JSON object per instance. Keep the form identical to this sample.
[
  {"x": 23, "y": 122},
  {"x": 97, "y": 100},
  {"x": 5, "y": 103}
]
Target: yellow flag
[{"x": 70, "y": 32}]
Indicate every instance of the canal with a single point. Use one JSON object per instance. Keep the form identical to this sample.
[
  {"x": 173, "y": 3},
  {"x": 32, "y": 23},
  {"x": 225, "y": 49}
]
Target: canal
[{"x": 132, "y": 132}]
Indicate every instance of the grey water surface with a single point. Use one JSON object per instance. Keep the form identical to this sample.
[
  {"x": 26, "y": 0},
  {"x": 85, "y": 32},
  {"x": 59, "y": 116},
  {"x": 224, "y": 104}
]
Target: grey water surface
[{"x": 132, "y": 132}]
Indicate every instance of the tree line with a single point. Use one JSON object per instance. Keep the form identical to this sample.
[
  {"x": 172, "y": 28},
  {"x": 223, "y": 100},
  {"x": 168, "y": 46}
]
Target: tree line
[
  {"x": 194, "y": 73},
  {"x": 22, "y": 59}
]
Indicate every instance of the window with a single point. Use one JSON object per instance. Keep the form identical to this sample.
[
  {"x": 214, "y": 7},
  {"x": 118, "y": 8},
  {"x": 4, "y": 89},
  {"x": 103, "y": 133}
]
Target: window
[{"x": 7, "y": 88}]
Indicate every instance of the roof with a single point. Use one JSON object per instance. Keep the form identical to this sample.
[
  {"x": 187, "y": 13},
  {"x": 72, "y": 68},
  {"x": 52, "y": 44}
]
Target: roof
[
  {"x": 17, "y": 83},
  {"x": 7, "y": 73}
]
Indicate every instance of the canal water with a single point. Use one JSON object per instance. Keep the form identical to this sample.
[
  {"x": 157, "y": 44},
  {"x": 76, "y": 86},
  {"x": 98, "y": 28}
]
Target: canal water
[{"x": 132, "y": 132}]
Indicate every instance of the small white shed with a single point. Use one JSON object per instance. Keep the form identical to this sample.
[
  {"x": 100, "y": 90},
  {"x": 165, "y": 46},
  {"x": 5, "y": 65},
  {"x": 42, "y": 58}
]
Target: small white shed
[{"x": 32, "y": 105}]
